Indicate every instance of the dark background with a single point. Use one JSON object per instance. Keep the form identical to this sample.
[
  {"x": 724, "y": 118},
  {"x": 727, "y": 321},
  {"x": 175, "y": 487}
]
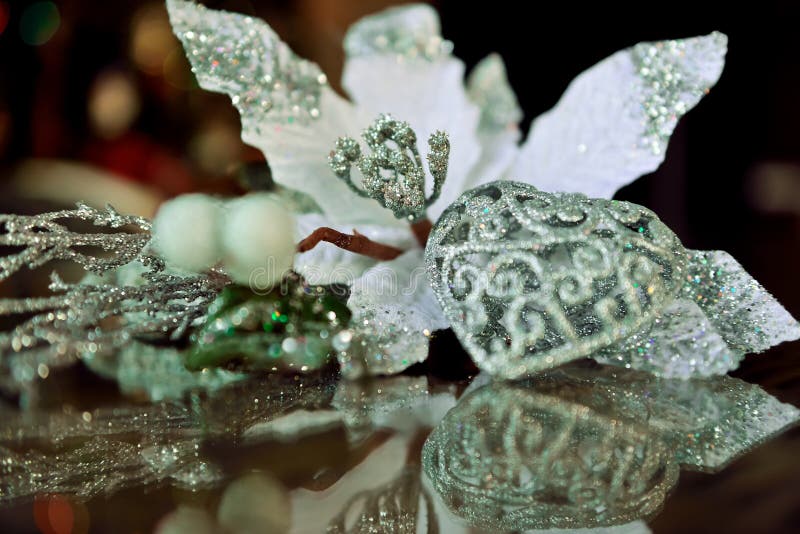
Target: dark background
[{"x": 731, "y": 179}]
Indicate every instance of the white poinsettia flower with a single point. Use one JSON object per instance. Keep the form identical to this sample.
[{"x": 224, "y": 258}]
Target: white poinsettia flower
[{"x": 611, "y": 126}]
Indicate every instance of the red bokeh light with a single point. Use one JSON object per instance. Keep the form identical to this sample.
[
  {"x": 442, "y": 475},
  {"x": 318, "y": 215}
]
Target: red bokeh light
[{"x": 5, "y": 14}]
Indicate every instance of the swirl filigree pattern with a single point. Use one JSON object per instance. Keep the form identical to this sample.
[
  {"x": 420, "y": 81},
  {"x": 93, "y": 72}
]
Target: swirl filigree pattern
[{"x": 530, "y": 280}]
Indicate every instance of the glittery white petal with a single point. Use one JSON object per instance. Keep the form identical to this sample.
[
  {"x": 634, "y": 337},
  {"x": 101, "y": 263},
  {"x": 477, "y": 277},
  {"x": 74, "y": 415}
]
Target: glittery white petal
[
  {"x": 682, "y": 343},
  {"x": 721, "y": 314},
  {"x": 613, "y": 122},
  {"x": 746, "y": 315},
  {"x": 288, "y": 110},
  {"x": 394, "y": 303},
  {"x": 489, "y": 88},
  {"x": 398, "y": 64},
  {"x": 327, "y": 263}
]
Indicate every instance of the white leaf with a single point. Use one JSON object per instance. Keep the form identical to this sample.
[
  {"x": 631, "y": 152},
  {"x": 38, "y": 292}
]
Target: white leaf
[{"x": 613, "y": 123}]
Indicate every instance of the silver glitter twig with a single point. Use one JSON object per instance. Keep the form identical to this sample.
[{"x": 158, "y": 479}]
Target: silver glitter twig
[
  {"x": 46, "y": 240},
  {"x": 96, "y": 317}
]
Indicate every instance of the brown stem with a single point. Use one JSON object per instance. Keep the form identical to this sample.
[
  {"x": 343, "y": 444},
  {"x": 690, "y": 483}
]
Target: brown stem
[
  {"x": 422, "y": 229},
  {"x": 357, "y": 243}
]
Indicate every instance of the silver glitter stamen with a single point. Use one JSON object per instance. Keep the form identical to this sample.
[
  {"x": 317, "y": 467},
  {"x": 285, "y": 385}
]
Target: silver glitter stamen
[{"x": 393, "y": 173}]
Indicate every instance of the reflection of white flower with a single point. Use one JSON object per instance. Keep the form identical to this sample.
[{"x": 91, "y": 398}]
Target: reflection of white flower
[{"x": 610, "y": 127}]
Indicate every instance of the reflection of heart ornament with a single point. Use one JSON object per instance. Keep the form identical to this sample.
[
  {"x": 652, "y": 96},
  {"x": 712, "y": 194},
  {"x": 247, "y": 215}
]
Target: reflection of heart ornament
[
  {"x": 553, "y": 453},
  {"x": 530, "y": 280}
]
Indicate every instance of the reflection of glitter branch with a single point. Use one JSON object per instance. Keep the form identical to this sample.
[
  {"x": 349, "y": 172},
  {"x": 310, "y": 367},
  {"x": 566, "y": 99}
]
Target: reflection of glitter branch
[{"x": 88, "y": 319}]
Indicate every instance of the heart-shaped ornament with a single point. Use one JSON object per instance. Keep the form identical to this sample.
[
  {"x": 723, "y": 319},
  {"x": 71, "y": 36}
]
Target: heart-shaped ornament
[{"x": 530, "y": 280}]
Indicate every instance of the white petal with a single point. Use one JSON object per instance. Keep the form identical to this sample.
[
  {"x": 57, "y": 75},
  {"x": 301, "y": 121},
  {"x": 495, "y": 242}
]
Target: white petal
[
  {"x": 746, "y": 315},
  {"x": 721, "y": 314},
  {"x": 327, "y": 264},
  {"x": 397, "y": 63},
  {"x": 394, "y": 303},
  {"x": 682, "y": 344},
  {"x": 489, "y": 88},
  {"x": 613, "y": 123},
  {"x": 499, "y": 150},
  {"x": 498, "y": 132},
  {"x": 288, "y": 110}
]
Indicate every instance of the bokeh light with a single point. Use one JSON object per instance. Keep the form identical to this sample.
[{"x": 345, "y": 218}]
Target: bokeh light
[
  {"x": 5, "y": 14},
  {"x": 177, "y": 72},
  {"x": 151, "y": 38},
  {"x": 114, "y": 103},
  {"x": 59, "y": 514},
  {"x": 216, "y": 148},
  {"x": 39, "y": 22}
]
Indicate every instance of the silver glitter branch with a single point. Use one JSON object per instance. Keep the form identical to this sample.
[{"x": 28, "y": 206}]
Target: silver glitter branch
[
  {"x": 45, "y": 239},
  {"x": 94, "y": 318},
  {"x": 393, "y": 172}
]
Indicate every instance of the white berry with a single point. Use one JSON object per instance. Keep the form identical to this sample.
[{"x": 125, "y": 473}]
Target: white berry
[
  {"x": 258, "y": 241},
  {"x": 185, "y": 232}
]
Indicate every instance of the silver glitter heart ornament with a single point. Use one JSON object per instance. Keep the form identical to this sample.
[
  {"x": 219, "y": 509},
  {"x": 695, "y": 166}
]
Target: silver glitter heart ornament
[{"x": 530, "y": 280}]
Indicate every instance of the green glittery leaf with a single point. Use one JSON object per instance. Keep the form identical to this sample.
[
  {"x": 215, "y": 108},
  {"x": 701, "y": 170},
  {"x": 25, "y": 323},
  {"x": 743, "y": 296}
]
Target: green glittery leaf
[{"x": 292, "y": 327}]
